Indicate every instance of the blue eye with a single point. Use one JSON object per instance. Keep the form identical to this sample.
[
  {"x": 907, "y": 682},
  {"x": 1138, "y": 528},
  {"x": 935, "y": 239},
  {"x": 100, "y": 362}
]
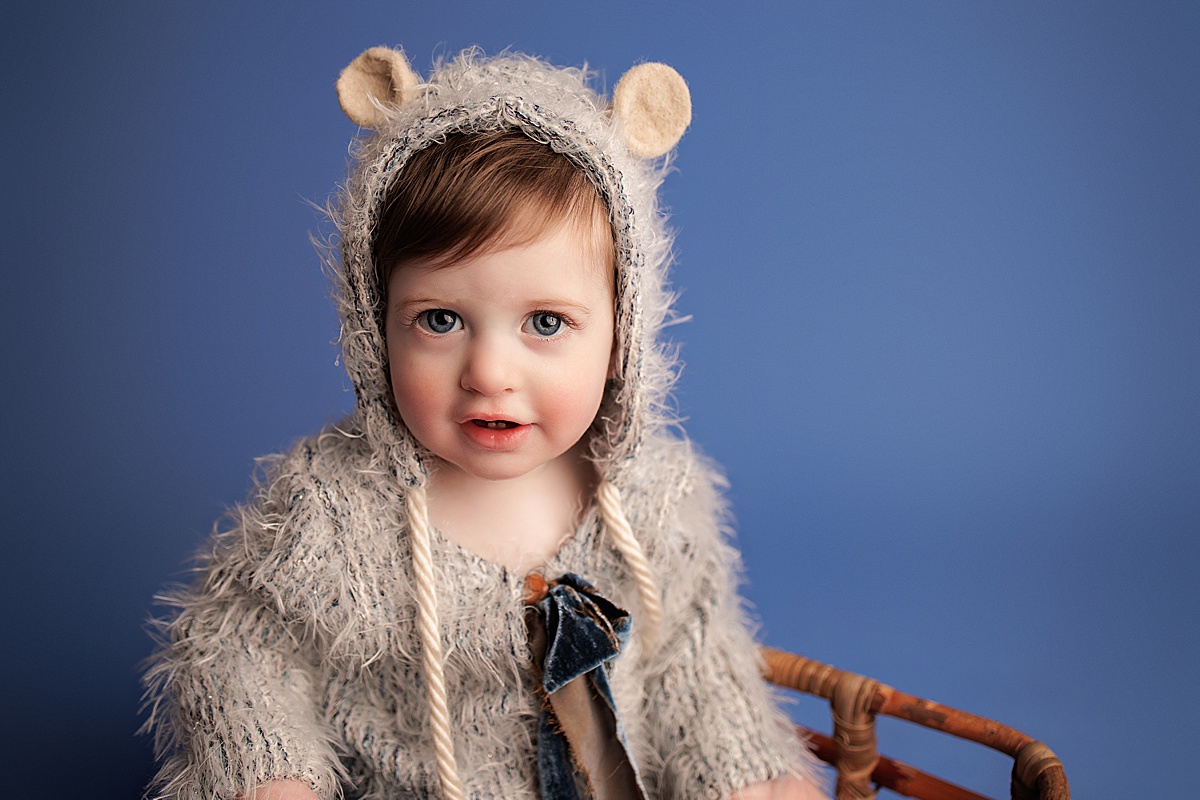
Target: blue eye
[
  {"x": 544, "y": 323},
  {"x": 438, "y": 320}
]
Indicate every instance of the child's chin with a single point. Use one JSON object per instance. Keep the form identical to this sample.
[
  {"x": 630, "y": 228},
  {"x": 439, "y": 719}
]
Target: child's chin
[
  {"x": 493, "y": 468},
  {"x": 510, "y": 467}
]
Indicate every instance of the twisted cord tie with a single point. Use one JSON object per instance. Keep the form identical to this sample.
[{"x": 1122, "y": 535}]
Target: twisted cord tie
[
  {"x": 608, "y": 497},
  {"x": 429, "y": 627}
]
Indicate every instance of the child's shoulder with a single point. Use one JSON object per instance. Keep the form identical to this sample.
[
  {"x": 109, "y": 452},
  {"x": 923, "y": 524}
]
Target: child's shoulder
[
  {"x": 338, "y": 454},
  {"x": 334, "y": 473},
  {"x": 675, "y": 496},
  {"x": 321, "y": 527},
  {"x": 308, "y": 503},
  {"x": 670, "y": 468}
]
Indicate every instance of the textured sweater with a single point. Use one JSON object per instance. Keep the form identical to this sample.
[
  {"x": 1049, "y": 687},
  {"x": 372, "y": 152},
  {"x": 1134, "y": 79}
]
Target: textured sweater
[{"x": 295, "y": 653}]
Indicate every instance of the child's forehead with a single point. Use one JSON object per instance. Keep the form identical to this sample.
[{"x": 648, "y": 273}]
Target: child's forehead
[
  {"x": 563, "y": 261},
  {"x": 581, "y": 244}
]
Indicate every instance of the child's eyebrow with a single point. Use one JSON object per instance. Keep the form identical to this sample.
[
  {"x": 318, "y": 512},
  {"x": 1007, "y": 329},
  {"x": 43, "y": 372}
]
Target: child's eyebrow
[
  {"x": 541, "y": 302},
  {"x": 417, "y": 301},
  {"x": 571, "y": 305}
]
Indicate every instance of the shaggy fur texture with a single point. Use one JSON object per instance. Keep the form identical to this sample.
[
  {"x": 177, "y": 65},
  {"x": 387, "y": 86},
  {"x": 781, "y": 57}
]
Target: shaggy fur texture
[{"x": 295, "y": 654}]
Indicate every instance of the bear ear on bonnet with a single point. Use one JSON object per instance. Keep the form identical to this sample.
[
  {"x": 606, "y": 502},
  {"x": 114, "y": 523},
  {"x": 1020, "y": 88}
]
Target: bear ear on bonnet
[
  {"x": 651, "y": 102},
  {"x": 379, "y": 77},
  {"x": 653, "y": 107}
]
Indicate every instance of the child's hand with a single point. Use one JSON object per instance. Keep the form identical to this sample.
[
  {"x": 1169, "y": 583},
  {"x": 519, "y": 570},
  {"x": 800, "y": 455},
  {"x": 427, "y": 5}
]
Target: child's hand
[
  {"x": 282, "y": 790},
  {"x": 788, "y": 787}
]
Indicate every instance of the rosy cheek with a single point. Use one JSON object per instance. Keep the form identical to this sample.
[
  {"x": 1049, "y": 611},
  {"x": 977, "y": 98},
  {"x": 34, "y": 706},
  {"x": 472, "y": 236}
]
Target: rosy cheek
[
  {"x": 417, "y": 393},
  {"x": 422, "y": 395},
  {"x": 573, "y": 400}
]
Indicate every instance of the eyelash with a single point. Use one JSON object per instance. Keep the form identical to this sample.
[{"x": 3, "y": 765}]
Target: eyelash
[
  {"x": 416, "y": 320},
  {"x": 568, "y": 322}
]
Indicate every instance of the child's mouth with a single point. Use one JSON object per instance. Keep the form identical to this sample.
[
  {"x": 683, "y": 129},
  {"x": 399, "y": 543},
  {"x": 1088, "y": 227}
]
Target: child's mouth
[
  {"x": 495, "y": 424},
  {"x": 499, "y": 435}
]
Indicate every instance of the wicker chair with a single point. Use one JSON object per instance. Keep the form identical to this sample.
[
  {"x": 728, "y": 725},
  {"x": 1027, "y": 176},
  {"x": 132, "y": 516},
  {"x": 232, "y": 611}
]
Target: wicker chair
[{"x": 856, "y": 701}]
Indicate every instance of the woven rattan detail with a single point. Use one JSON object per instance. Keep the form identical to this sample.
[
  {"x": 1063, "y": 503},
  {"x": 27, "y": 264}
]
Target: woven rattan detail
[
  {"x": 856, "y": 701},
  {"x": 1033, "y": 761},
  {"x": 854, "y": 736}
]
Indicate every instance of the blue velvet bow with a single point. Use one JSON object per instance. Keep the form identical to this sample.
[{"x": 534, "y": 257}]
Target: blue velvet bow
[{"x": 578, "y": 631}]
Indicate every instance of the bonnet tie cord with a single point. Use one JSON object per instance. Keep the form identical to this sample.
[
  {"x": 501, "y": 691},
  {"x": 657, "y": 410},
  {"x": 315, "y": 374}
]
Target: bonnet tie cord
[
  {"x": 429, "y": 627},
  {"x": 608, "y": 498},
  {"x": 613, "y": 511}
]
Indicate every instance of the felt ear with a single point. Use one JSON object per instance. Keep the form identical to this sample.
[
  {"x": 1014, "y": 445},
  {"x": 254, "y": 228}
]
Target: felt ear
[
  {"x": 654, "y": 108},
  {"x": 380, "y": 76}
]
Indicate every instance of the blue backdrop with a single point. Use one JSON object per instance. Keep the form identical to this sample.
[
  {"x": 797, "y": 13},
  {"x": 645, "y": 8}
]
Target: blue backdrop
[{"x": 942, "y": 263}]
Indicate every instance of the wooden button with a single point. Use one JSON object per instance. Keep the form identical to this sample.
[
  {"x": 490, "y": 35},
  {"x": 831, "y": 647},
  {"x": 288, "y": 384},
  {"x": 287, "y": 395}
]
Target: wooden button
[{"x": 535, "y": 588}]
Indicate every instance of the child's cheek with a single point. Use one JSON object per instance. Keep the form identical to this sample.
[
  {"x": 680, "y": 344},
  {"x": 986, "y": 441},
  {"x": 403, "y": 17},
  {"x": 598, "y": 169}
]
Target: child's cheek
[
  {"x": 572, "y": 400},
  {"x": 420, "y": 394}
]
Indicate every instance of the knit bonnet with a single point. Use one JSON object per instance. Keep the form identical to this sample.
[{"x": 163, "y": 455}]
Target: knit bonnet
[
  {"x": 619, "y": 145},
  {"x": 615, "y": 144}
]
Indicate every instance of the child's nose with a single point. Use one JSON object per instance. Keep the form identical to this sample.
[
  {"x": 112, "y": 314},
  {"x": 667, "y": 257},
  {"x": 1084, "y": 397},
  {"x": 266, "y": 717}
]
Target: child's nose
[{"x": 490, "y": 368}]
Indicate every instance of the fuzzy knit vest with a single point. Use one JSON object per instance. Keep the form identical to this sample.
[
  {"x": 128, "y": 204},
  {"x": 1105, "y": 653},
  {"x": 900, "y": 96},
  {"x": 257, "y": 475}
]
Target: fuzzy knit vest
[{"x": 296, "y": 652}]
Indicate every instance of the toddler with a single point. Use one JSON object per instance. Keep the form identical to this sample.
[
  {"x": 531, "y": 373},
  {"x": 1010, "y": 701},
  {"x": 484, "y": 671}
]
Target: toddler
[{"x": 501, "y": 576}]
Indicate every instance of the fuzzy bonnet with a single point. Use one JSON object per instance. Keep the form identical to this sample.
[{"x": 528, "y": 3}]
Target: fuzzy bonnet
[{"x": 617, "y": 144}]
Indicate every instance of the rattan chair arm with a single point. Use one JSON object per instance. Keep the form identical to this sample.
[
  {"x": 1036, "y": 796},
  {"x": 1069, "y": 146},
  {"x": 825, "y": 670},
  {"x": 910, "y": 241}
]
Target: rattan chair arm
[
  {"x": 897, "y": 776},
  {"x": 963, "y": 724},
  {"x": 1037, "y": 773}
]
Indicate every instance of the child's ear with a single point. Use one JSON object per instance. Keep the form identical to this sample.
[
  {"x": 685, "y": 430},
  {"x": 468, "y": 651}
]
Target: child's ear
[
  {"x": 379, "y": 77},
  {"x": 653, "y": 107}
]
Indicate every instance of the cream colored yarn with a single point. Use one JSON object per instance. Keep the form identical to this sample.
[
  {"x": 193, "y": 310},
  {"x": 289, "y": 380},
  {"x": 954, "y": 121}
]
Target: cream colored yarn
[
  {"x": 608, "y": 498},
  {"x": 431, "y": 643},
  {"x": 613, "y": 512}
]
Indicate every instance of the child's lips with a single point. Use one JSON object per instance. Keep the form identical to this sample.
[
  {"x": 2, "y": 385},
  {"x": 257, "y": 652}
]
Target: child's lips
[
  {"x": 495, "y": 424},
  {"x": 494, "y": 433}
]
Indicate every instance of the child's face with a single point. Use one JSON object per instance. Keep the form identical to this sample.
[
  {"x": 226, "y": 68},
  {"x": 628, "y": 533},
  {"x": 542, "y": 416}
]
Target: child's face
[{"x": 498, "y": 362}]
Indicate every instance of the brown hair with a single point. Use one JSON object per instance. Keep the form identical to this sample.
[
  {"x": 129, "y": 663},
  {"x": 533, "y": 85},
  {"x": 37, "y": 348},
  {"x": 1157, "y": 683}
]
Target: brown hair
[{"x": 479, "y": 190}]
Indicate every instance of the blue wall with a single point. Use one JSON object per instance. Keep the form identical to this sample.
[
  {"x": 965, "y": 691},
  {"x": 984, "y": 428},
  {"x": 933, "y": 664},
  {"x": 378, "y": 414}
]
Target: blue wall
[{"x": 942, "y": 263}]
